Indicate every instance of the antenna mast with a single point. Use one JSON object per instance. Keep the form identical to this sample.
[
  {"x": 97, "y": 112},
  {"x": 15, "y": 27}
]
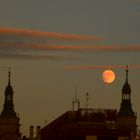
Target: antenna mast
[
  {"x": 75, "y": 101},
  {"x": 87, "y": 101}
]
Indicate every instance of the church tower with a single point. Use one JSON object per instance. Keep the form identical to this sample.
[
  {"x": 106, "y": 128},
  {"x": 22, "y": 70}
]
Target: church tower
[
  {"x": 9, "y": 121},
  {"x": 126, "y": 116}
]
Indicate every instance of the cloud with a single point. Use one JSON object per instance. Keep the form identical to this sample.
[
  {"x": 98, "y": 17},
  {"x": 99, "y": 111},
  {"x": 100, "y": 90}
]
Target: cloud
[
  {"x": 20, "y": 43},
  {"x": 95, "y": 48},
  {"x": 15, "y": 45},
  {"x": 30, "y": 56},
  {"x": 31, "y": 33},
  {"x": 92, "y": 67},
  {"x": 19, "y": 49}
]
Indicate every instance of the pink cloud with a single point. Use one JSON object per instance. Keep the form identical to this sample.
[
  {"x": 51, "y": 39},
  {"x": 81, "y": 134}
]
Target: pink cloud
[
  {"x": 28, "y": 32},
  {"x": 20, "y": 45},
  {"x": 92, "y": 67},
  {"x": 111, "y": 48}
]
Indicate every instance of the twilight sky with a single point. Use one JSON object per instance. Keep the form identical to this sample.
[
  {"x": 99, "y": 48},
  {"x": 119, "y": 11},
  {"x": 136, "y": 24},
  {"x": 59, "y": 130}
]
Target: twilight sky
[{"x": 54, "y": 45}]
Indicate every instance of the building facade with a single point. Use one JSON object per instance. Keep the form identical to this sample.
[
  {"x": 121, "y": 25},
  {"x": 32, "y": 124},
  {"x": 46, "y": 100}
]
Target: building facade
[{"x": 86, "y": 124}]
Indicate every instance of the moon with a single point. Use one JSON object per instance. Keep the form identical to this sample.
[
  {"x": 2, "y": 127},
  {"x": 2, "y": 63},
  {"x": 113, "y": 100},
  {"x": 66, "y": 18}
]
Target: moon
[{"x": 108, "y": 76}]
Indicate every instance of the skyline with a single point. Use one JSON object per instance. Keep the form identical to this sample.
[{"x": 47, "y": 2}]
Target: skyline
[{"x": 53, "y": 46}]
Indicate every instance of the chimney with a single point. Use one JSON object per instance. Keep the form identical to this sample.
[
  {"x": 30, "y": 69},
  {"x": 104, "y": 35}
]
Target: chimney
[
  {"x": 31, "y": 133},
  {"x": 38, "y": 132}
]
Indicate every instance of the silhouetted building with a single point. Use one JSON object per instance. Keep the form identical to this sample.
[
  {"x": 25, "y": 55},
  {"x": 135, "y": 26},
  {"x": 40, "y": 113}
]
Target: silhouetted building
[
  {"x": 85, "y": 124},
  {"x": 126, "y": 116},
  {"x": 95, "y": 124},
  {"x": 9, "y": 120}
]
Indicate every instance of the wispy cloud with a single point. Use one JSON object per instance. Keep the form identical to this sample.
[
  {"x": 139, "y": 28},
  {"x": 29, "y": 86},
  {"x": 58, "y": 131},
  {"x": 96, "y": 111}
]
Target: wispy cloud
[
  {"x": 30, "y": 56},
  {"x": 15, "y": 45},
  {"x": 18, "y": 43},
  {"x": 31, "y": 33},
  {"x": 92, "y": 67},
  {"x": 95, "y": 48},
  {"x": 23, "y": 43}
]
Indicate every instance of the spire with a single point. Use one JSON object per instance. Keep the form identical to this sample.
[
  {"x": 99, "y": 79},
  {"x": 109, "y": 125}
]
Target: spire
[
  {"x": 9, "y": 119},
  {"x": 127, "y": 73},
  {"x": 9, "y": 77},
  {"x": 126, "y": 109},
  {"x": 8, "y": 107},
  {"x": 126, "y": 87}
]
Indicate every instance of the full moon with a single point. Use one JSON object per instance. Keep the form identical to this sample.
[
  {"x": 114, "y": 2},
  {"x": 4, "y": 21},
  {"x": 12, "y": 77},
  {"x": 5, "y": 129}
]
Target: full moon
[{"x": 108, "y": 76}]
